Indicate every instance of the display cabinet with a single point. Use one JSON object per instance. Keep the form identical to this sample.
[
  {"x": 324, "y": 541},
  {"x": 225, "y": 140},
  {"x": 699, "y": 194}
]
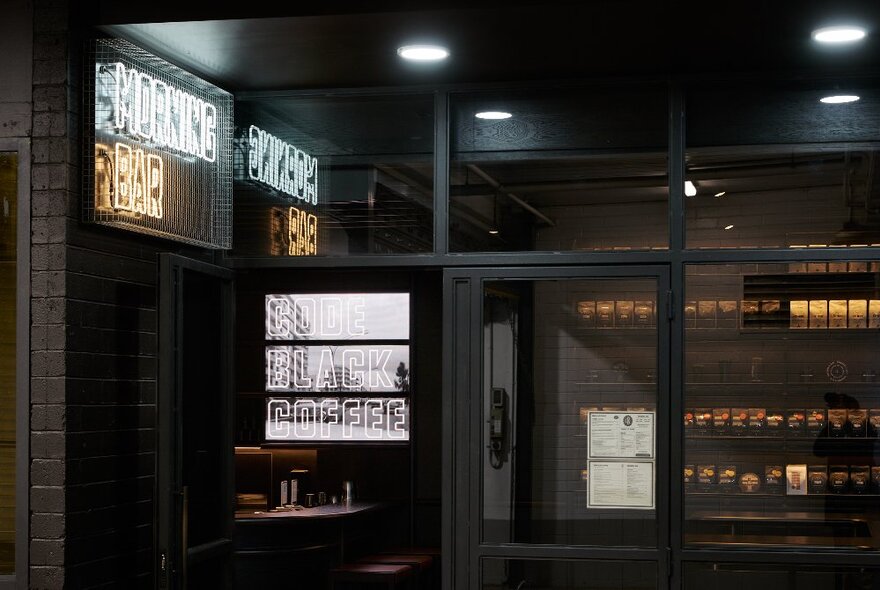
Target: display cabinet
[{"x": 782, "y": 405}]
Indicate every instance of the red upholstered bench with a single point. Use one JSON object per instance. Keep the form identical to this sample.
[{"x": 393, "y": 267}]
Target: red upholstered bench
[
  {"x": 392, "y": 576},
  {"x": 421, "y": 565}
]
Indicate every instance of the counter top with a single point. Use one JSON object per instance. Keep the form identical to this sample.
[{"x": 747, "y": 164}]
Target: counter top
[{"x": 318, "y": 512}]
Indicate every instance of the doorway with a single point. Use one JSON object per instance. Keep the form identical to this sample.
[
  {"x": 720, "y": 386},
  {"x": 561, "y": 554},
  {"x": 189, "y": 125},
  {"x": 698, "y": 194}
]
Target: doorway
[
  {"x": 194, "y": 506},
  {"x": 557, "y": 428}
]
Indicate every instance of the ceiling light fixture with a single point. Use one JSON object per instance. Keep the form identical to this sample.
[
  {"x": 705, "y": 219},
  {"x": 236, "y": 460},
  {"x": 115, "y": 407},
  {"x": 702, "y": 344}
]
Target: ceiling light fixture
[
  {"x": 423, "y": 52},
  {"x": 728, "y": 226},
  {"x": 721, "y": 194},
  {"x": 493, "y": 232},
  {"x": 839, "y": 99},
  {"x": 493, "y": 115},
  {"x": 838, "y": 35},
  {"x": 690, "y": 189}
]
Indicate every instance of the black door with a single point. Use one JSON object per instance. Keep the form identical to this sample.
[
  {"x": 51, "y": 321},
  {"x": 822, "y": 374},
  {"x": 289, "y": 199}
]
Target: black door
[{"x": 194, "y": 501}]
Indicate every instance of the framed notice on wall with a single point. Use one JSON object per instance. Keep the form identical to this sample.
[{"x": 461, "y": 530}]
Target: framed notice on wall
[
  {"x": 621, "y": 466},
  {"x": 337, "y": 367}
]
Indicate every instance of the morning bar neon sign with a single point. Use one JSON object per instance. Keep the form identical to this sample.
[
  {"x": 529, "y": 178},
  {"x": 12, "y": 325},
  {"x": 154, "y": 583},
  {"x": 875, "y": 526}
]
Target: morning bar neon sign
[
  {"x": 149, "y": 110},
  {"x": 282, "y": 166},
  {"x": 161, "y": 162}
]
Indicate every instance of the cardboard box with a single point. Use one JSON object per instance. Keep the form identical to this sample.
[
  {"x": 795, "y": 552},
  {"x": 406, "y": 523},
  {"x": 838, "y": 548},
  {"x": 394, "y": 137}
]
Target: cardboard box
[
  {"x": 799, "y": 312},
  {"x": 837, "y": 314},
  {"x": 858, "y": 313},
  {"x": 623, "y": 314},
  {"x": 604, "y": 314},
  {"x": 587, "y": 311},
  {"x": 818, "y": 314},
  {"x": 874, "y": 313},
  {"x": 643, "y": 314}
]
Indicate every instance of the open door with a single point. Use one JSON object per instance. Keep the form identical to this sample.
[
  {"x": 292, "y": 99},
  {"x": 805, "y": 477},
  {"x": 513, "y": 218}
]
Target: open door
[{"x": 194, "y": 498}]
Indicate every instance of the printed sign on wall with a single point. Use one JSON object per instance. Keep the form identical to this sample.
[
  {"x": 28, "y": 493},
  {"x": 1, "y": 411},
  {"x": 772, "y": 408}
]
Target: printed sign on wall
[{"x": 160, "y": 160}]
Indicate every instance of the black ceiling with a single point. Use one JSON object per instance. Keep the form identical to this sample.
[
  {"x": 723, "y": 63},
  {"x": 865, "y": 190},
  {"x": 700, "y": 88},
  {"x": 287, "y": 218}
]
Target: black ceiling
[{"x": 342, "y": 44}]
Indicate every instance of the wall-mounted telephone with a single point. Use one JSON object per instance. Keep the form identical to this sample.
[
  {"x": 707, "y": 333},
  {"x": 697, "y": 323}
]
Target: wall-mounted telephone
[{"x": 497, "y": 426}]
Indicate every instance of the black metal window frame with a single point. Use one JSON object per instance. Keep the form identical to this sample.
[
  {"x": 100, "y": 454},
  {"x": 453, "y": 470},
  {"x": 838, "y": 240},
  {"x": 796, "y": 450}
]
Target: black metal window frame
[{"x": 674, "y": 260}]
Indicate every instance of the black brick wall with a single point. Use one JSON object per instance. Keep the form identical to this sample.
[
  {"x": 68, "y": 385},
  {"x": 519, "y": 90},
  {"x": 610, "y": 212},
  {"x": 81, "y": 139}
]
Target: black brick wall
[{"x": 94, "y": 349}]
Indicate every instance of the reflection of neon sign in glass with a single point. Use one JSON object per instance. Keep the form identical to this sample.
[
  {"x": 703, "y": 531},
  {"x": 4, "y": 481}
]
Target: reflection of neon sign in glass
[
  {"x": 335, "y": 419},
  {"x": 302, "y": 233},
  {"x": 281, "y": 166},
  {"x": 150, "y": 110}
]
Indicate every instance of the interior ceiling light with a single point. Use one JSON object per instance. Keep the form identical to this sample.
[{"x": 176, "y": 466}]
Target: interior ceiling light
[
  {"x": 494, "y": 115},
  {"x": 493, "y": 232},
  {"x": 728, "y": 226},
  {"x": 721, "y": 194},
  {"x": 838, "y": 35},
  {"x": 423, "y": 52},
  {"x": 839, "y": 99},
  {"x": 690, "y": 190}
]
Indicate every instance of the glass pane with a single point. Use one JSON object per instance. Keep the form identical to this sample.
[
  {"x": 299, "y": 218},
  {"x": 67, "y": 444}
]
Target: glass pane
[
  {"x": 773, "y": 167},
  {"x": 317, "y": 176},
  {"x": 736, "y": 576},
  {"x": 782, "y": 406},
  {"x": 571, "y": 169},
  {"x": 532, "y": 574},
  {"x": 8, "y": 221},
  {"x": 570, "y": 382}
]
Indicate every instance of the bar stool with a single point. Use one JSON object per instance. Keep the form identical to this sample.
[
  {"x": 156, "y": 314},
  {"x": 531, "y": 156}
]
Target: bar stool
[
  {"x": 421, "y": 565},
  {"x": 392, "y": 576}
]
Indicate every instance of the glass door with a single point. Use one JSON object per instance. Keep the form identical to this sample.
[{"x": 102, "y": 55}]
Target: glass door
[{"x": 560, "y": 394}]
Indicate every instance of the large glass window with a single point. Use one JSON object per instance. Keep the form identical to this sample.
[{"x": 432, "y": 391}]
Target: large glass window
[
  {"x": 772, "y": 166},
  {"x": 782, "y": 405},
  {"x": 8, "y": 236},
  {"x": 332, "y": 175},
  {"x": 569, "y": 442},
  {"x": 559, "y": 169}
]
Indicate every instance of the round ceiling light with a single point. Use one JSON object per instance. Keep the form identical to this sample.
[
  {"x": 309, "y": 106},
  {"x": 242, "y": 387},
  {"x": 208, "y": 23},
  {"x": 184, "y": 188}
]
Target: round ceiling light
[
  {"x": 839, "y": 99},
  {"x": 423, "y": 52},
  {"x": 838, "y": 35},
  {"x": 493, "y": 115}
]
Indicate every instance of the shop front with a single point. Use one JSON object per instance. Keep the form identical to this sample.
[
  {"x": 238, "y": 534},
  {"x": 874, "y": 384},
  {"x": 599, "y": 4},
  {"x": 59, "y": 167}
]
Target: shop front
[{"x": 334, "y": 320}]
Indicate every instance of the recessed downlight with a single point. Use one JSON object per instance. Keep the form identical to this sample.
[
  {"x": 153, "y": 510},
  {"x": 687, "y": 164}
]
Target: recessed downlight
[
  {"x": 838, "y": 35},
  {"x": 721, "y": 194},
  {"x": 839, "y": 99},
  {"x": 493, "y": 115},
  {"x": 728, "y": 226},
  {"x": 423, "y": 52},
  {"x": 493, "y": 232}
]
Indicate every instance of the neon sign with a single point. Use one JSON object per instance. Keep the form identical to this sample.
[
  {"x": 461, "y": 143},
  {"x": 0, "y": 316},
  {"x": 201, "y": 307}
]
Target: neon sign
[
  {"x": 337, "y": 368},
  {"x": 352, "y": 391},
  {"x": 139, "y": 181},
  {"x": 335, "y": 419},
  {"x": 337, "y": 316},
  {"x": 282, "y": 166},
  {"x": 162, "y": 139},
  {"x": 152, "y": 111}
]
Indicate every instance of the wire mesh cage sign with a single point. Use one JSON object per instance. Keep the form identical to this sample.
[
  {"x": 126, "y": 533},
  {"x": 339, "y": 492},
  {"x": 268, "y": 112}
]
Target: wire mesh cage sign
[{"x": 158, "y": 147}]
